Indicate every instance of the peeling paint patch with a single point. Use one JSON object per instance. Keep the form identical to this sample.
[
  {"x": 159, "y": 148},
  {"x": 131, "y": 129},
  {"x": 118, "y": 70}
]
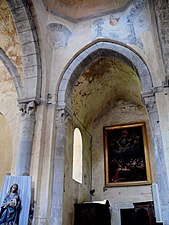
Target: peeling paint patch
[
  {"x": 6, "y": 82},
  {"x": 9, "y": 41},
  {"x": 101, "y": 85}
]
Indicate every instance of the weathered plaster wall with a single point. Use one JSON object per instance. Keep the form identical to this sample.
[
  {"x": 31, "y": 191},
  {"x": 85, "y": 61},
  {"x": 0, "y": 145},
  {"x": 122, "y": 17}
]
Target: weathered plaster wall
[
  {"x": 9, "y": 41},
  {"x": 8, "y": 98},
  {"x": 107, "y": 94},
  {"x": 132, "y": 27},
  {"x": 5, "y": 148},
  {"x": 122, "y": 113},
  {"x": 79, "y": 8},
  {"x": 75, "y": 192},
  {"x": 9, "y": 109},
  {"x": 100, "y": 85},
  {"x": 60, "y": 41}
]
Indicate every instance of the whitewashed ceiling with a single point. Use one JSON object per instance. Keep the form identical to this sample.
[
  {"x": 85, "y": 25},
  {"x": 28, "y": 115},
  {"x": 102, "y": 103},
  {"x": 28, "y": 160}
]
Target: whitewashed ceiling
[{"x": 77, "y": 9}]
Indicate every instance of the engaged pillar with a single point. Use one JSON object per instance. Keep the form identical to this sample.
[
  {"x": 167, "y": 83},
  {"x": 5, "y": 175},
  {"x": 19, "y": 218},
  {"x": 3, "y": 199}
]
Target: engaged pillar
[{"x": 26, "y": 138}]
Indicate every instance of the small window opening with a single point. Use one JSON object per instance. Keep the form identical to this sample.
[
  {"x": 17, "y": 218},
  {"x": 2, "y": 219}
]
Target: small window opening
[{"x": 77, "y": 156}]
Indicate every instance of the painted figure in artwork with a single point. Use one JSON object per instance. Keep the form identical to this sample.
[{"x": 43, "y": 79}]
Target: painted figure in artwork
[{"x": 10, "y": 207}]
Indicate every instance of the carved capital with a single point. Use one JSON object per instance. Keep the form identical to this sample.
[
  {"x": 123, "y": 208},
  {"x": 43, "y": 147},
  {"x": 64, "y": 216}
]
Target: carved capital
[
  {"x": 27, "y": 108},
  {"x": 63, "y": 115},
  {"x": 150, "y": 104}
]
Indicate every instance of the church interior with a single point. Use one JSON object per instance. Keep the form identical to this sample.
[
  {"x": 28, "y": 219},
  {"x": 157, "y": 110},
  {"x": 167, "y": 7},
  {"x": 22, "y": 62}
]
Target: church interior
[{"x": 84, "y": 109}]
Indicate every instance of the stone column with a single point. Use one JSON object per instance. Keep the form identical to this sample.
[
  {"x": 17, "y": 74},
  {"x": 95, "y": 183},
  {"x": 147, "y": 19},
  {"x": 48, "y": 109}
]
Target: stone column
[
  {"x": 157, "y": 205},
  {"x": 63, "y": 115},
  {"x": 26, "y": 138},
  {"x": 160, "y": 161}
]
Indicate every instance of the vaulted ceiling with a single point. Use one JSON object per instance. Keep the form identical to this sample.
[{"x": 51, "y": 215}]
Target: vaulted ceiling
[
  {"x": 77, "y": 9},
  {"x": 105, "y": 85}
]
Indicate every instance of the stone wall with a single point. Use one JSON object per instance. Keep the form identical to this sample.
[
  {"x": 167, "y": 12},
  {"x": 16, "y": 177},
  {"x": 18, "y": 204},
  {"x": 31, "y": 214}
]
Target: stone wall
[
  {"x": 122, "y": 113},
  {"x": 162, "y": 17}
]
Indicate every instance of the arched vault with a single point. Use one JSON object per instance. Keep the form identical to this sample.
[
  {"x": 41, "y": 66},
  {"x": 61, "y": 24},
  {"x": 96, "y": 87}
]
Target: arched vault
[{"x": 93, "y": 52}]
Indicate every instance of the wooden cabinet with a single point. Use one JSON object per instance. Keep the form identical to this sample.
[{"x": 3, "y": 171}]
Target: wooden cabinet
[
  {"x": 142, "y": 214},
  {"x": 92, "y": 214}
]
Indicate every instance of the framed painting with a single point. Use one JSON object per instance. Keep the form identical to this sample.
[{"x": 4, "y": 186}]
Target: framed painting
[{"x": 126, "y": 155}]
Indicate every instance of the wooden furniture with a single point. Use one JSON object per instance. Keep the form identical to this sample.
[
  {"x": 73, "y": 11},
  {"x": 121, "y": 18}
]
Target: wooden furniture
[
  {"x": 142, "y": 214},
  {"x": 92, "y": 214}
]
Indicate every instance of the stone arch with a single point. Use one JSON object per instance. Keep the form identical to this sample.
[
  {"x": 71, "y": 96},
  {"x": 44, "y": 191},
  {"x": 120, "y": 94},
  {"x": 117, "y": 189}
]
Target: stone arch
[
  {"x": 30, "y": 49},
  {"x": 90, "y": 54},
  {"x": 12, "y": 71}
]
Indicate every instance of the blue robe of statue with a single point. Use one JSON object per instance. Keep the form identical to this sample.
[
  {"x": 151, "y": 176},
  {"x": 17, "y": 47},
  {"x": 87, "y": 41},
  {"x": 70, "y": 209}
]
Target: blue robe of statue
[{"x": 10, "y": 210}]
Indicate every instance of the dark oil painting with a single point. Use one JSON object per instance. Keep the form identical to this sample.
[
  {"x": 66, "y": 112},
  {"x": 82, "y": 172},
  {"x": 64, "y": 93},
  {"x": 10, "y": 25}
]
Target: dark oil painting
[{"x": 126, "y": 155}]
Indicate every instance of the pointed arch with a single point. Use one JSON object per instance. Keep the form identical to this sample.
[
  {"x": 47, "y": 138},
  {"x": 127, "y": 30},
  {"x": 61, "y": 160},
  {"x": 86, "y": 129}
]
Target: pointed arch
[
  {"x": 12, "y": 71},
  {"x": 26, "y": 29},
  {"x": 84, "y": 58},
  {"x": 94, "y": 51}
]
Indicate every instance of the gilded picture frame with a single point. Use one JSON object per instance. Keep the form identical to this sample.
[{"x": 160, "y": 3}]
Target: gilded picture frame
[{"x": 126, "y": 155}]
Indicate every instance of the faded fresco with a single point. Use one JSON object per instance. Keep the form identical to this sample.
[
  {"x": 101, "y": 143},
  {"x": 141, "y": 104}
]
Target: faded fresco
[
  {"x": 124, "y": 26},
  {"x": 8, "y": 36},
  {"x": 60, "y": 35}
]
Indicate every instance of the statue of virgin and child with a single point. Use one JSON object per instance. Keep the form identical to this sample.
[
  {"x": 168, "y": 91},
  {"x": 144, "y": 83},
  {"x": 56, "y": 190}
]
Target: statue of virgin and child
[{"x": 10, "y": 208}]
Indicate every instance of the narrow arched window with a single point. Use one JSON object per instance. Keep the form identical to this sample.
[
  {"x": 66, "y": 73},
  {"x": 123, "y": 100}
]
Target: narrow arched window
[{"x": 77, "y": 156}]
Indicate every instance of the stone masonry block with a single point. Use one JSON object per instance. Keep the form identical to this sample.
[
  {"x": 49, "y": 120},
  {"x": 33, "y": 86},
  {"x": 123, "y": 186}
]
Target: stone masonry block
[
  {"x": 82, "y": 56},
  {"x": 14, "y": 4},
  {"x": 30, "y": 60},
  {"x": 28, "y": 36},
  {"x": 61, "y": 96},
  {"x": 67, "y": 73},
  {"x": 74, "y": 64},
  {"x": 99, "y": 45},
  {"x": 31, "y": 72},
  {"x": 91, "y": 49},
  {"x": 107, "y": 45},
  {"x": 20, "y": 14},
  {"x": 25, "y": 25},
  {"x": 63, "y": 85},
  {"x": 30, "y": 48},
  {"x": 30, "y": 82}
]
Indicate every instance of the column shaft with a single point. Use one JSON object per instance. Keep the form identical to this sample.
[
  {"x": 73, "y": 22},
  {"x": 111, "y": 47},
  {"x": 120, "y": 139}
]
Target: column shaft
[{"x": 26, "y": 139}]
